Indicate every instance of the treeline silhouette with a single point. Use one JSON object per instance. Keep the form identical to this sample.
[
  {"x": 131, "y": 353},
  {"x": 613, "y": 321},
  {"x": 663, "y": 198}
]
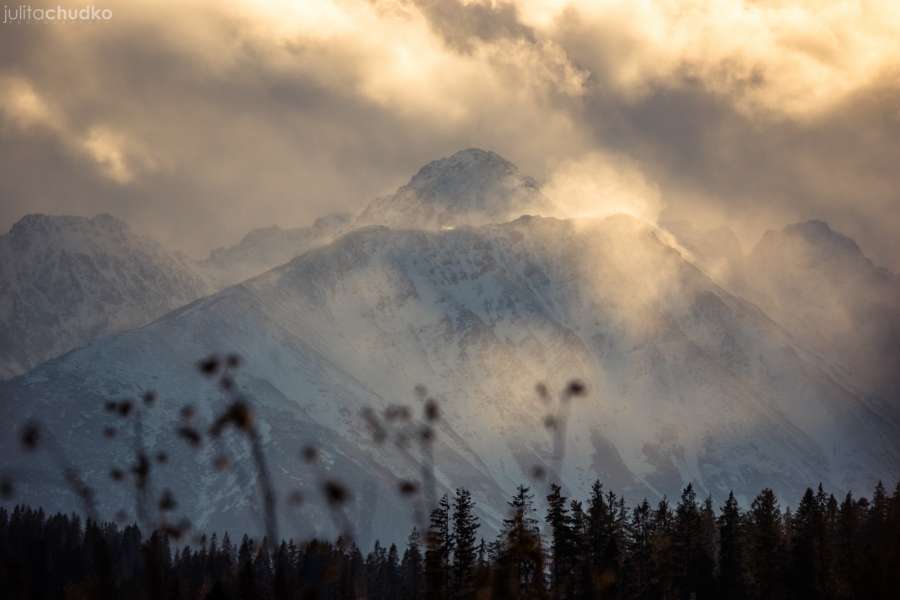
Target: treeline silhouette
[{"x": 598, "y": 547}]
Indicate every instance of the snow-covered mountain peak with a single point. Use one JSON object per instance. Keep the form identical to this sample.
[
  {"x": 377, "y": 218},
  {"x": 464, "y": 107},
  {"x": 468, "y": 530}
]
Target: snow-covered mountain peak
[
  {"x": 810, "y": 242},
  {"x": 65, "y": 280},
  {"x": 473, "y": 167},
  {"x": 471, "y": 187}
]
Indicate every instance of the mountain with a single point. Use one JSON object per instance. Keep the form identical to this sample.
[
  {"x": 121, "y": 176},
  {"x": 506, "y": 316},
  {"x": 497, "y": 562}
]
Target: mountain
[
  {"x": 65, "y": 281},
  {"x": 834, "y": 300},
  {"x": 686, "y": 381},
  {"x": 471, "y": 187},
  {"x": 262, "y": 249},
  {"x": 716, "y": 250}
]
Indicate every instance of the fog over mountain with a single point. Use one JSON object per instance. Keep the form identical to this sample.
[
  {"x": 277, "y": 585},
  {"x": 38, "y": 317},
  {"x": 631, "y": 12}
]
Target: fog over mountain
[
  {"x": 696, "y": 372},
  {"x": 65, "y": 281}
]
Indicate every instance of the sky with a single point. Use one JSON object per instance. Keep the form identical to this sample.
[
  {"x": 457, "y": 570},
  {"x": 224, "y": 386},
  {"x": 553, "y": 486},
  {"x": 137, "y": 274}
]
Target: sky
[{"x": 196, "y": 122}]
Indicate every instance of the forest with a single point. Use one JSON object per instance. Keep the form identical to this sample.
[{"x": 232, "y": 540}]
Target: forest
[{"x": 599, "y": 547}]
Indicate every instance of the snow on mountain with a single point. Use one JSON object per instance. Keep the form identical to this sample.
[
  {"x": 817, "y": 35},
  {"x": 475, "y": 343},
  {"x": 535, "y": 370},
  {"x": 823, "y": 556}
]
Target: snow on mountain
[
  {"x": 820, "y": 285},
  {"x": 262, "y": 249},
  {"x": 67, "y": 280},
  {"x": 716, "y": 250},
  {"x": 471, "y": 187},
  {"x": 687, "y": 382}
]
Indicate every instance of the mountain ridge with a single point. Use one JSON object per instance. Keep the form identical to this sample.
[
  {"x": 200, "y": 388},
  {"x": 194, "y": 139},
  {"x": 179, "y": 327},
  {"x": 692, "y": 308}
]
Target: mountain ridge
[{"x": 688, "y": 383}]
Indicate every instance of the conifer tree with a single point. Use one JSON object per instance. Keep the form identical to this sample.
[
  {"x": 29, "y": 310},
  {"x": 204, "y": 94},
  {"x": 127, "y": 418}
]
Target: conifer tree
[
  {"x": 580, "y": 584},
  {"x": 464, "y": 534},
  {"x": 561, "y": 538},
  {"x": 412, "y": 582},
  {"x": 732, "y": 576},
  {"x": 804, "y": 549},
  {"x": 766, "y": 547},
  {"x": 663, "y": 571},
  {"x": 439, "y": 544},
  {"x": 521, "y": 561},
  {"x": 639, "y": 550}
]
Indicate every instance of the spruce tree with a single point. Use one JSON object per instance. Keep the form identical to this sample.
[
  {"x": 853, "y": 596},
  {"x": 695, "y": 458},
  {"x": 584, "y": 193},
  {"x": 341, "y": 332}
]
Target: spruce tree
[
  {"x": 732, "y": 577},
  {"x": 521, "y": 570},
  {"x": 439, "y": 544},
  {"x": 411, "y": 569},
  {"x": 639, "y": 548},
  {"x": 464, "y": 533},
  {"x": 561, "y": 538},
  {"x": 766, "y": 547},
  {"x": 804, "y": 550},
  {"x": 663, "y": 567}
]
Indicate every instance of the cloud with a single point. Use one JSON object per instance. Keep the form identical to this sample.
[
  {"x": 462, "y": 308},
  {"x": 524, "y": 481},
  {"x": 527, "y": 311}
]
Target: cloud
[
  {"x": 197, "y": 122},
  {"x": 598, "y": 185}
]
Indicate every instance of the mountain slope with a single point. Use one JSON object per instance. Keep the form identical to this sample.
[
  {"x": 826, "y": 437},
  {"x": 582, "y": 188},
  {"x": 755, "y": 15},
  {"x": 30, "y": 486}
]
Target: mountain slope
[
  {"x": 820, "y": 285},
  {"x": 471, "y": 187},
  {"x": 65, "y": 281},
  {"x": 688, "y": 383},
  {"x": 262, "y": 249}
]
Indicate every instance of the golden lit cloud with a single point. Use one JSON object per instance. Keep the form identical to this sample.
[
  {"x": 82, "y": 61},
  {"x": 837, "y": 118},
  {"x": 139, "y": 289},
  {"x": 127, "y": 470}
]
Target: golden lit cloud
[
  {"x": 602, "y": 184},
  {"x": 793, "y": 57},
  {"x": 22, "y": 105}
]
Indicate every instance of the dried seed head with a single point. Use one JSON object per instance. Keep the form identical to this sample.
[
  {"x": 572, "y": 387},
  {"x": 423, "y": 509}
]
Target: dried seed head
[
  {"x": 238, "y": 414},
  {"x": 379, "y": 434},
  {"x": 116, "y": 474},
  {"x": 576, "y": 388},
  {"x": 538, "y": 472},
  {"x": 141, "y": 470},
  {"x": 408, "y": 488},
  {"x": 209, "y": 366},
  {"x": 310, "y": 454},
  {"x": 149, "y": 398},
  {"x": 167, "y": 501},
  {"x": 426, "y": 434},
  {"x": 124, "y": 408},
  {"x": 335, "y": 493},
  {"x": 162, "y": 458},
  {"x": 397, "y": 412},
  {"x": 241, "y": 416},
  {"x": 190, "y": 435},
  {"x": 31, "y": 436},
  {"x": 432, "y": 410}
]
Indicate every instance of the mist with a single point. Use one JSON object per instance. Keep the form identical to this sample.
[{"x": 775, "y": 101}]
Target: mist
[{"x": 196, "y": 124}]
